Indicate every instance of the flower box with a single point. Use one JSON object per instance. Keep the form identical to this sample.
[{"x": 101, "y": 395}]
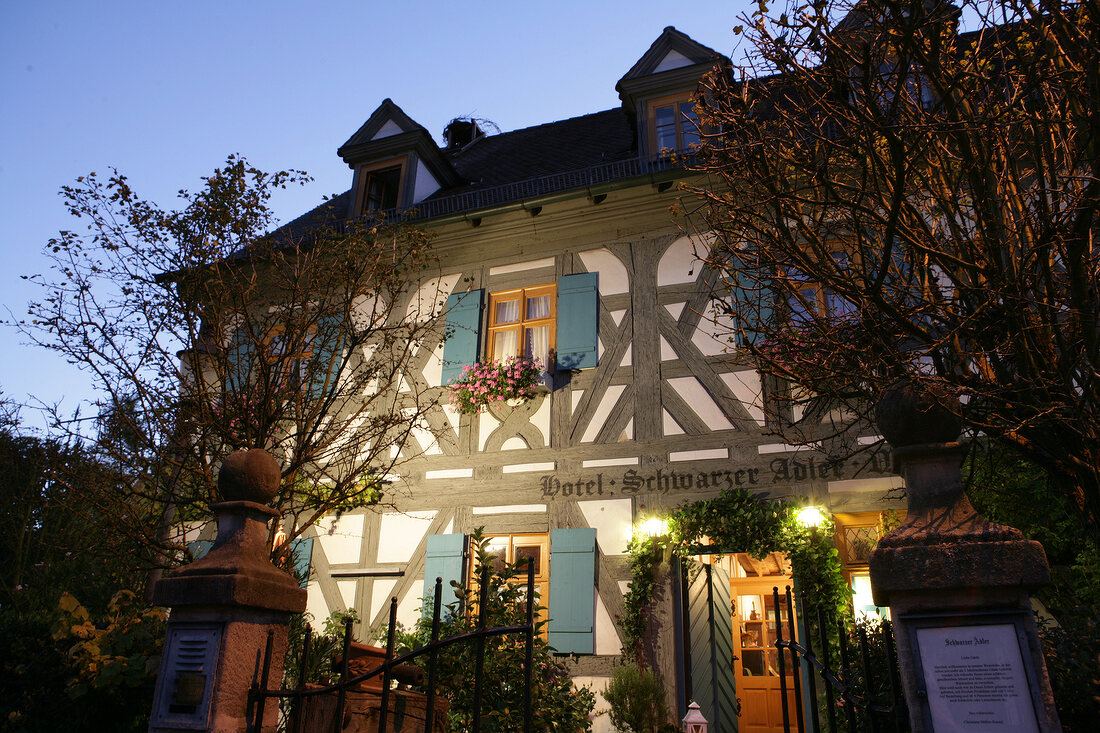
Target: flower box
[{"x": 515, "y": 379}]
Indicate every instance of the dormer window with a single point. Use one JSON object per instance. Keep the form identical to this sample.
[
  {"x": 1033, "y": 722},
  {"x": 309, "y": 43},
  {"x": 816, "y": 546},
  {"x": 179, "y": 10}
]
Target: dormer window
[
  {"x": 381, "y": 185},
  {"x": 673, "y": 124}
]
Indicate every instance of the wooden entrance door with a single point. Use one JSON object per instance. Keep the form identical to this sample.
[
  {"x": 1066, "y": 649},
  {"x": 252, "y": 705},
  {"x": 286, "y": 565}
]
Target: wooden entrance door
[{"x": 756, "y": 660}]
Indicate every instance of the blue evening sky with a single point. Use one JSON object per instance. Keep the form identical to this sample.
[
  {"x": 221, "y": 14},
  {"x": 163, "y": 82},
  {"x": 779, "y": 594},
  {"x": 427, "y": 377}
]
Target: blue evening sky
[{"x": 164, "y": 91}]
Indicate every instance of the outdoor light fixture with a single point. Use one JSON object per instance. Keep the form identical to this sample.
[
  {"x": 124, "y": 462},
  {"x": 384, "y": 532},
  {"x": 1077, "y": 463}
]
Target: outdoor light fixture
[
  {"x": 279, "y": 539},
  {"x": 694, "y": 722},
  {"x": 653, "y": 527},
  {"x": 811, "y": 516}
]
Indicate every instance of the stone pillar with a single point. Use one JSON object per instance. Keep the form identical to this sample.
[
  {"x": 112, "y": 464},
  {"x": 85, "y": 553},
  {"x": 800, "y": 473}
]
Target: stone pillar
[
  {"x": 958, "y": 587},
  {"x": 222, "y": 608}
]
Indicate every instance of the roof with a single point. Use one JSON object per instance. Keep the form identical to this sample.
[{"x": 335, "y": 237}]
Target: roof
[{"x": 555, "y": 147}]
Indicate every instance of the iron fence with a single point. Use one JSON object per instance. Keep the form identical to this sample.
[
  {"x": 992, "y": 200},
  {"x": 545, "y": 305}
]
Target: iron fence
[
  {"x": 260, "y": 694},
  {"x": 858, "y": 688}
]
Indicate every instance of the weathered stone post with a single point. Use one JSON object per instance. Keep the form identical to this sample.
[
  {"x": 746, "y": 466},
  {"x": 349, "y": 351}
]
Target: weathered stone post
[
  {"x": 958, "y": 587},
  {"x": 223, "y": 606}
]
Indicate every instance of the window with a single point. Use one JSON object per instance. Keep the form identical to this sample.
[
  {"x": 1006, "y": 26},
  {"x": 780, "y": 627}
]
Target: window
[
  {"x": 288, "y": 358},
  {"x": 808, "y": 300},
  {"x": 673, "y": 124},
  {"x": 856, "y": 535},
  {"x": 561, "y": 320},
  {"x": 519, "y": 548},
  {"x": 521, "y": 323},
  {"x": 380, "y": 185},
  {"x": 565, "y": 574}
]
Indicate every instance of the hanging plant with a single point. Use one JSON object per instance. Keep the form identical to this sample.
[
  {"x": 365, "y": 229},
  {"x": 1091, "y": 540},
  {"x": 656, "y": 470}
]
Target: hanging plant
[{"x": 514, "y": 378}]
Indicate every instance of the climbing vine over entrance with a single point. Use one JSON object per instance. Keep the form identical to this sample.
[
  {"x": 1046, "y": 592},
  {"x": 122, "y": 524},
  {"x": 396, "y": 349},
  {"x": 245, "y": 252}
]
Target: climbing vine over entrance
[{"x": 734, "y": 521}]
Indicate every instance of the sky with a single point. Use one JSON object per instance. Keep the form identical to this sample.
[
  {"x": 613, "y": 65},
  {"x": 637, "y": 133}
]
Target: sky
[{"x": 165, "y": 91}]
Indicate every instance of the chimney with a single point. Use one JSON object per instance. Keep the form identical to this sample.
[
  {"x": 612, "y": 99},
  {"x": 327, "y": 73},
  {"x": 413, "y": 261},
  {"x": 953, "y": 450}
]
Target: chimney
[{"x": 460, "y": 132}]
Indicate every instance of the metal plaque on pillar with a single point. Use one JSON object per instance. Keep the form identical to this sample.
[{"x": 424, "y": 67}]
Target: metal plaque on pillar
[
  {"x": 190, "y": 660},
  {"x": 975, "y": 673}
]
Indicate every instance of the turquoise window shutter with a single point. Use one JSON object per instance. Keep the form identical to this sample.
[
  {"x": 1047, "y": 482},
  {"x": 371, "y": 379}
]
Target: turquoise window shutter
[
  {"x": 573, "y": 590},
  {"x": 578, "y": 311},
  {"x": 463, "y": 333},
  {"x": 199, "y": 548},
  {"x": 239, "y": 357},
  {"x": 301, "y": 553},
  {"x": 327, "y": 350},
  {"x": 444, "y": 557},
  {"x": 750, "y": 301}
]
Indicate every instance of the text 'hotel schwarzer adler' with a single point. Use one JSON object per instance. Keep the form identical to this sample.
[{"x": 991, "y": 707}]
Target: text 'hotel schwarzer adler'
[{"x": 557, "y": 240}]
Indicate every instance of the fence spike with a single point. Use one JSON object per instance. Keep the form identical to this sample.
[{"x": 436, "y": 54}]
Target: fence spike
[{"x": 433, "y": 656}]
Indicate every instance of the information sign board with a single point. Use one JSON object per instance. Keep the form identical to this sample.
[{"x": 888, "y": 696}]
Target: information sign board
[{"x": 975, "y": 679}]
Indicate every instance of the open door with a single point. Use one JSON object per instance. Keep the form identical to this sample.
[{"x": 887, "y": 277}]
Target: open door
[{"x": 756, "y": 660}]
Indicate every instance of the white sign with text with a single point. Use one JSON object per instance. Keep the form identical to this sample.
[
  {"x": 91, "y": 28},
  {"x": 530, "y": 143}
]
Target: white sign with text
[{"x": 975, "y": 679}]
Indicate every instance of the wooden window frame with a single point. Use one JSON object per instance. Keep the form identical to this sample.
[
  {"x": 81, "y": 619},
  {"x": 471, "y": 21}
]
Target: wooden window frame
[
  {"x": 679, "y": 120},
  {"x": 542, "y": 575},
  {"x": 292, "y": 367},
  {"x": 798, "y": 286},
  {"x": 521, "y": 326},
  {"x": 365, "y": 172}
]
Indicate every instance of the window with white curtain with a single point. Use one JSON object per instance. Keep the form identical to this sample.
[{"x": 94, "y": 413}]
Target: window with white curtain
[{"x": 521, "y": 323}]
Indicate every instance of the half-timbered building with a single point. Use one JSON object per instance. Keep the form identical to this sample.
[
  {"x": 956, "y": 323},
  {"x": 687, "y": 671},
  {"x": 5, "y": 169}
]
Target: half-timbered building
[{"x": 557, "y": 241}]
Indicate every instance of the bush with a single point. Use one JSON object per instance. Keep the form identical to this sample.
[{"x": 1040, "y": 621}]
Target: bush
[
  {"x": 557, "y": 704},
  {"x": 637, "y": 700}
]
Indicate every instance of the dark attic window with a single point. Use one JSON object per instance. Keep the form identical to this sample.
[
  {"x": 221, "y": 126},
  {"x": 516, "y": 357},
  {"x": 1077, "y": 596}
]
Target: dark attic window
[{"x": 381, "y": 188}]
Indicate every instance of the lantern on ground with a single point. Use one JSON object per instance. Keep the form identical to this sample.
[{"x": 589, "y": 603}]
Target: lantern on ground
[{"x": 694, "y": 722}]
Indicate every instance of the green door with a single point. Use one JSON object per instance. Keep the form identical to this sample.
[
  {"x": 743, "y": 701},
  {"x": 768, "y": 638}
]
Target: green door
[{"x": 709, "y": 656}]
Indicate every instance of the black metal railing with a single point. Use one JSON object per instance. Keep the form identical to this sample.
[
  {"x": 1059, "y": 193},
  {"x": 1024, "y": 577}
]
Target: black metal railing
[
  {"x": 868, "y": 694},
  {"x": 260, "y": 694}
]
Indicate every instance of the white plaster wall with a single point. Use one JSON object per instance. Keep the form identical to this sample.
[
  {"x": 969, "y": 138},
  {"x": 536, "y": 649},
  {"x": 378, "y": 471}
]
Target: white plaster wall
[
  {"x": 747, "y": 388},
  {"x": 521, "y": 266},
  {"x": 607, "y": 403},
  {"x": 486, "y": 424},
  {"x": 514, "y": 443},
  {"x": 509, "y": 509},
  {"x": 600, "y": 723},
  {"x": 699, "y": 455},
  {"x": 667, "y": 352},
  {"x": 388, "y": 129},
  {"x": 607, "y": 637},
  {"x": 691, "y": 390},
  {"x": 612, "y": 519},
  {"x": 347, "y": 591},
  {"x": 341, "y": 539},
  {"x": 380, "y": 596},
  {"x": 430, "y": 299},
  {"x": 408, "y": 609},
  {"x": 315, "y": 604},
  {"x": 425, "y": 184},
  {"x": 680, "y": 264},
  {"x": 885, "y": 483},
  {"x": 541, "y": 420},
  {"x": 672, "y": 60},
  {"x": 399, "y": 534},
  {"x": 713, "y": 334},
  {"x": 669, "y": 426},
  {"x": 613, "y": 276},
  {"x": 433, "y": 368}
]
